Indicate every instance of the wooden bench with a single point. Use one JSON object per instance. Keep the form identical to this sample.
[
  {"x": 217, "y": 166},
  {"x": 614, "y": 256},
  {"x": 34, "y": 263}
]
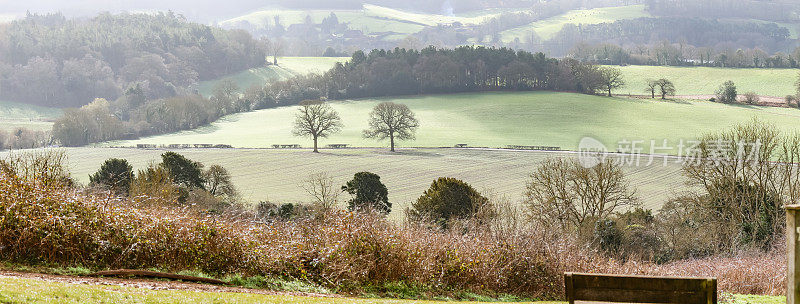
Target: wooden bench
[
  {"x": 337, "y": 146},
  {"x": 539, "y": 148},
  {"x": 292, "y": 146},
  {"x": 461, "y": 145},
  {"x": 639, "y": 289}
]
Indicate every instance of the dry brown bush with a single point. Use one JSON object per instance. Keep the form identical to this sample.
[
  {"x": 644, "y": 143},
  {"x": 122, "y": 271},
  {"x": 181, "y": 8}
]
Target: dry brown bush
[
  {"x": 58, "y": 226},
  {"x": 54, "y": 224}
]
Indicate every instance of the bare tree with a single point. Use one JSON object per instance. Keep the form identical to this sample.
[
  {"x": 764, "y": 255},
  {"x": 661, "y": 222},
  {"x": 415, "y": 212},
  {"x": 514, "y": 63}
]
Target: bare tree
[
  {"x": 611, "y": 79},
  {"x": 275, "y": 47},
  {"x": 316, "y": 119},
  {"x": 563, "y": 192},
  {"x": 393, "y": 121},
  {"x": 651, "y": 88},
  {"x": 218, "y": 182},
  {"x": 666, "y": 87},
  {"x": 322, "y": 188}
]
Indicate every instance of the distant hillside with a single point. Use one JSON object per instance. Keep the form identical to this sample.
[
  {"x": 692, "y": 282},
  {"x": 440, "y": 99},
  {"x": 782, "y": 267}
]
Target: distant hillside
[
  {"x": 287, "y": 67},
  {"x": 53, "y": 61},
  {"x": 553, "y": 27}
]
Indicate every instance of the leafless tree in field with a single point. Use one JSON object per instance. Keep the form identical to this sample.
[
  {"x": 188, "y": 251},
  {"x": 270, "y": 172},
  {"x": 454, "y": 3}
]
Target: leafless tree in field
[
  {"x": 393, "y": 121},
  {"x": 322, "y": 188},
  {"x": 562, "y": 192},
  {"x": 316, "y": 119}
]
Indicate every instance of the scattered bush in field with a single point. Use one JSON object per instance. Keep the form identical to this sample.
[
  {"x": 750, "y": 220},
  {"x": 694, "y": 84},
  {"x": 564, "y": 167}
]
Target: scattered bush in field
[
  {"x": 368, "y": 193},
  {"x": 115, "y": 174},
  {"x": 727, "y": 92},
  {"x": 791, "y": 100},
  {"x": 751, "y": 98},
  {"x": 445, "y": 200}
]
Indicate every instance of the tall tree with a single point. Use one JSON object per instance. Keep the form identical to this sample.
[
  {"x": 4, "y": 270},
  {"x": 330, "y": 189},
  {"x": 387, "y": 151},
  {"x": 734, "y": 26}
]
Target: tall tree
[
  {"x": 393, "y": 121},
  {"x": 316, "y": 119},
  {"x": 612, "y": 79},
  {"x": 651, "y": 88},
  {"x": 666, "y": 87}
]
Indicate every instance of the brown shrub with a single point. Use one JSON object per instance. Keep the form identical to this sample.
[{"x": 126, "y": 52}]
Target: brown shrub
[{"x": 57, "y": 225}]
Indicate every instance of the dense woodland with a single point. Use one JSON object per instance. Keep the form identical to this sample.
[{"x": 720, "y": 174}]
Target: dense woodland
[
  {"x": 677, "y": 54},
  {"x": 771, "y": 10},
  {"x": 696, "y": 32},
  {"x": 51, "y": 61}
]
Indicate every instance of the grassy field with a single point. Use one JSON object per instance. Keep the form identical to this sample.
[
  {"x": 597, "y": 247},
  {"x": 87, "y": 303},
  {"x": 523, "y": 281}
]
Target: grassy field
[
  {"x": 287, "y": 68},
  {"x": 371, "y": 19},
  {"x": 546, "y": 28},
  {"x": 277, "y": 175},
  {"x": 497, "y": 119},
  {"x": 14, "y": 115},
  {"x": 703, "y": 80},
  {"x": 18, "y": 290}
]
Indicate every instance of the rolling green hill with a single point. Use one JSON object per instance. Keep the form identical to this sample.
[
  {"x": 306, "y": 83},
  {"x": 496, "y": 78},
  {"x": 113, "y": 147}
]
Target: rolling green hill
[
  {"x": 703, "y": 80},
  {"x": 497, "y": 119},
  {"x": 546, "y": 28},
  {"x": 287, "y": 67},
  {"x": 370, "y": 19},
  {"x": 15, "y": 115}
]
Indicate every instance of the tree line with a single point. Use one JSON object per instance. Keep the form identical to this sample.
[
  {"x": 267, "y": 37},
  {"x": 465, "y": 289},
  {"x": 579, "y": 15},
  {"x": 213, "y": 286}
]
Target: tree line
[
  {"x": 679, "y": 54},
  {"x": 690, "y": 31},
  {"x": 51, "y": 61}
]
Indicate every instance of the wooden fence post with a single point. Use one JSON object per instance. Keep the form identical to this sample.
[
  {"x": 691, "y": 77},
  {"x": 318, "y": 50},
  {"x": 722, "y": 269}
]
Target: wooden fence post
[{"x": 792, "y": 256}]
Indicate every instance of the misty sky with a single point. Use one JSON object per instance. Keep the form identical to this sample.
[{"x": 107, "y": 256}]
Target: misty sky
[{"x": 206, "y": 11}]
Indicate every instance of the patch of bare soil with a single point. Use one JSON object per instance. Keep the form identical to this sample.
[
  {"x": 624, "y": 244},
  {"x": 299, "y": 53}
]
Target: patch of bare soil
[{"x": 148, "y": 284}]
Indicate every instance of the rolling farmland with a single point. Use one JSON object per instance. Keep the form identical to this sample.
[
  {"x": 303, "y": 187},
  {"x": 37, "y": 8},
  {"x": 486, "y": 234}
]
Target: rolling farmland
[
  {"x": 495, "y": 120},
  {"x": 287, "y": 67},
  {"x": 276, "y": 175},
  {"x": 370, "y": 19},
  {"x": 15, "y": 115},
  {"x": 546, "y": 28},
  {"x": 705, "y": 80}
]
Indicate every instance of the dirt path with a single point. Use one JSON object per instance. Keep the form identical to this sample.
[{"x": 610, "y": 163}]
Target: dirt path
[{"x": 148, "y": 284}]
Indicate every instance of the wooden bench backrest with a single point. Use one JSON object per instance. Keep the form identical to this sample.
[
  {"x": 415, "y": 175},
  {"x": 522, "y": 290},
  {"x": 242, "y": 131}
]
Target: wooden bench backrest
[{"x": 639, "y": 289}]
